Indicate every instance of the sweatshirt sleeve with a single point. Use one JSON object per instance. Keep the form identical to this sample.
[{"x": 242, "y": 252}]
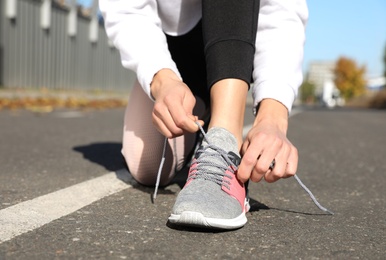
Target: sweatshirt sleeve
[
  {"x": 135, "y": 29},
  {"x": 278, "y": 59}
]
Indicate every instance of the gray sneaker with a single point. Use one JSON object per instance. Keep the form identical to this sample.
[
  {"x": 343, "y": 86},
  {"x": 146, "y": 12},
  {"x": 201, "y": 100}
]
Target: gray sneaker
[{"x": 212, "y": 196}]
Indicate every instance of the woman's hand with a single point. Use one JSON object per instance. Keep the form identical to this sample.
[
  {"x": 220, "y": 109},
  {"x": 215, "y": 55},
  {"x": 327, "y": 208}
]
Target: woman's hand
[
  {"x": 173, "y": 107},
  {"x": 267, "y": 142}
]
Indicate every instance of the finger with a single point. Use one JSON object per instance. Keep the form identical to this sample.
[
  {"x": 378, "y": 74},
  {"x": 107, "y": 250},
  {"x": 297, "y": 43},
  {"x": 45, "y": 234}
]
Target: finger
[
  {"x": 269, "y": 177},
  {"x": 273, "y": 175},
  {"x": 160, "y": 126},
  {"x": 292, "y": 164},
  {"x": 181, "y": 111},
  {"x": 196, "y": 120},
  {"x": 244, "y": 147},
  {"x": 165, "y": 125},
  {"x": 200, "y": 122},
  {"x": 256, "y": 176},
  {"x": 174, "y": 117},
  {"x": 162, "y": 129},
  {"x": 286, "y": 164},
  {"x": 279, "y": 169},
  {"x": 271, "y": 151},
  {"x": 248, "y": 161},
  {"x": 182, "y": 119}
]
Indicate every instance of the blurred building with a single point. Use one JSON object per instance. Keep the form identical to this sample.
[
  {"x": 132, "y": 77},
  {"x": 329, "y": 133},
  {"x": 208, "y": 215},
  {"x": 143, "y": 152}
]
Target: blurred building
[
  {"x": 376, "y": 83},
  {"x": 49, "y": 43},
  {"x": 320, "y": 73}
]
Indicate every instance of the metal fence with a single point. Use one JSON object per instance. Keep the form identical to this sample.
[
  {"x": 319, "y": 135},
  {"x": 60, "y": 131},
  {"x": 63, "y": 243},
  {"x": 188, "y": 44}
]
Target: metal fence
[{"x": 32, "y": 55}]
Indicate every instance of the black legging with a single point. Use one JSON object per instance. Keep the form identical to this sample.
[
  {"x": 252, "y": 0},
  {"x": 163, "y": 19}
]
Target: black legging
[
  {"x": 229, "y": 33},
  {"x": 229, "y": 29}
]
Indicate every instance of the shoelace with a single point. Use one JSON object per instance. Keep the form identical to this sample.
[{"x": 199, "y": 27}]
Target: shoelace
[
  {"x": 218, "y": 167},
  {"x": 218, "y": 179}
]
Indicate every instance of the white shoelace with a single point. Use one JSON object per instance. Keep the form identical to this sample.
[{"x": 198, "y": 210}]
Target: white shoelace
[
  {"x": 204, "y": 134},
  {"x": 160, "y": 169}
]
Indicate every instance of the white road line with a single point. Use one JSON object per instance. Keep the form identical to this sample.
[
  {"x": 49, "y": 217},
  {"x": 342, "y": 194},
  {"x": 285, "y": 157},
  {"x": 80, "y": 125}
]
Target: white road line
[{"x": 32, "y": 214}]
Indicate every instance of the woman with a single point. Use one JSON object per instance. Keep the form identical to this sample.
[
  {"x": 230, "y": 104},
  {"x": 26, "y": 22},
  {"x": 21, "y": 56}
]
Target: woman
[{"x": 183, "y": 72}]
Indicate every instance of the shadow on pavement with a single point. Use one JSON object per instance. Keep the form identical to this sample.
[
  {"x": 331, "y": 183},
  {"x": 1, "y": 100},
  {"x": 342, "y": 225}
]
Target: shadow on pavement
[
  {"x": 300, "y": 212},
  {"x": 106, "y": 154},
  {"x": 109, "y": 156},
  {"x": 257, "y": 205},
  {"x": 197, "y": 229}
]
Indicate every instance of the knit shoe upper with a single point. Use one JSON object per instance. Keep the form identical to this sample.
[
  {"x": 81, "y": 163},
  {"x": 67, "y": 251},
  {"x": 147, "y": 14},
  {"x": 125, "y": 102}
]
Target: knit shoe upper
[{"x": 212, "y": 196}]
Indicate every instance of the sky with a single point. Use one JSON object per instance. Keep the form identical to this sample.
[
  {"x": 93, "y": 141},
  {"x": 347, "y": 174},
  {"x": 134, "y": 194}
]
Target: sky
[
  {"x": 352, "y": 28},
  {"x": 85, "y": 3}
]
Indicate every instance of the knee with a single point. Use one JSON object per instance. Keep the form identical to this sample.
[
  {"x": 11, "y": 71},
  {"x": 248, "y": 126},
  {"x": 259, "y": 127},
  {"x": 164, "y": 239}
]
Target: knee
[{"x": 145, "y": 171}]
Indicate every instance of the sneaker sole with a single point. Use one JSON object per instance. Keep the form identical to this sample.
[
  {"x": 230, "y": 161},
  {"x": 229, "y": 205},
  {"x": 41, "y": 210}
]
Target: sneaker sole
[{"x": 196, "y": 219}]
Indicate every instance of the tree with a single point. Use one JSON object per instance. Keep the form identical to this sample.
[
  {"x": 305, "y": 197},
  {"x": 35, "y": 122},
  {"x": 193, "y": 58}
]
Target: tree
[
  {"x": 307, "y": 92},
  {"x": 349, "y": 78}
]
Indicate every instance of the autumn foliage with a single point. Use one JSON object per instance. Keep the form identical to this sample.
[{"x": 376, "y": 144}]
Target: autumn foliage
[
  {"x": 349, "y": 78},
  {"x": 307, "y": 92},
  {"x": 48, "y": 104}
]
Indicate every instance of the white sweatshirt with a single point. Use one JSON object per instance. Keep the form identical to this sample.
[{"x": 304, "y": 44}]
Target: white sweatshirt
[{"x": 137, "y": 27}]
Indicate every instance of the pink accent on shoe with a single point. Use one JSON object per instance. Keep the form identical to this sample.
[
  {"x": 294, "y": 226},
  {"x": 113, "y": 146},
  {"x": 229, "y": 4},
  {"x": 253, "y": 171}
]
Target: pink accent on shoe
[
  {"x": 192, "y": 171},
  {"x": 236, "y": 189}
]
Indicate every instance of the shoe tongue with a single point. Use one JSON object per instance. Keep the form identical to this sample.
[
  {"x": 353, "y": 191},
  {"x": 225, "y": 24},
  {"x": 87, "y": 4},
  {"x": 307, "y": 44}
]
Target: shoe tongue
[{"x": 222, "y": 138}]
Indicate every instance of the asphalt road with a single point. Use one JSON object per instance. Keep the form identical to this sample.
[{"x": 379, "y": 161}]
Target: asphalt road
[{"x": 342, "y": 160}]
